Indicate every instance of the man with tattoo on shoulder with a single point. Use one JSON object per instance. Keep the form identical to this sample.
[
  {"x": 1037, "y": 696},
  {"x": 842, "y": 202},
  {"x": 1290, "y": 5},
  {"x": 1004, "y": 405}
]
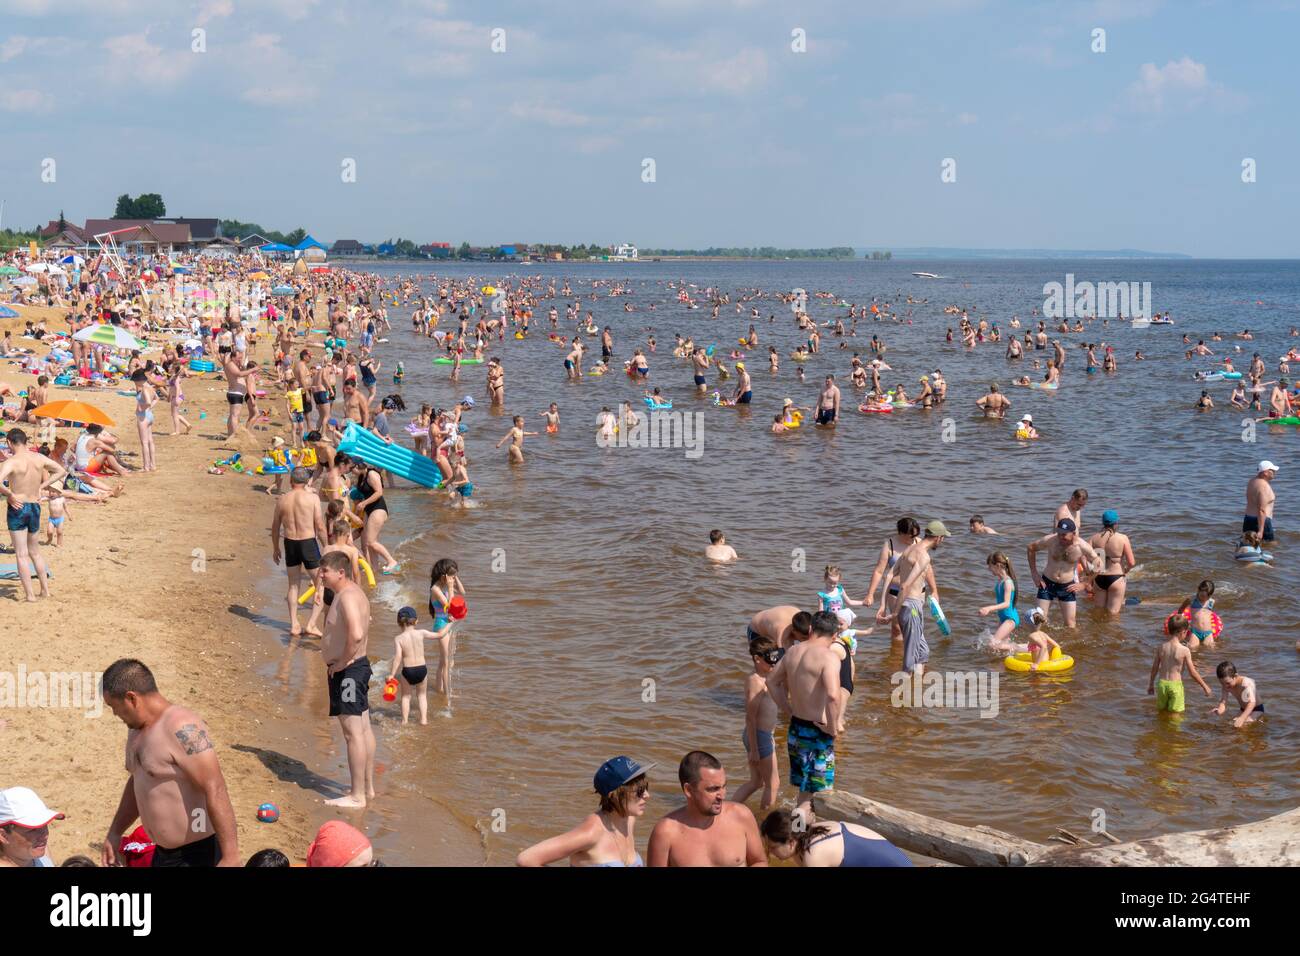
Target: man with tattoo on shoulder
[{"x": 176, "y": 788}]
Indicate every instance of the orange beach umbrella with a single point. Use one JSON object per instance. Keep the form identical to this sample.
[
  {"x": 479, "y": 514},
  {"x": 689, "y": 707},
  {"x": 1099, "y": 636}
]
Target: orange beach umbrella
[{"x": 70, "y": 410}]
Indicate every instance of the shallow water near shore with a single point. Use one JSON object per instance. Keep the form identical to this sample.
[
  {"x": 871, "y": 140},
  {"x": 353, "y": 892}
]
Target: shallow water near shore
[{"x": 605, "y": 589}]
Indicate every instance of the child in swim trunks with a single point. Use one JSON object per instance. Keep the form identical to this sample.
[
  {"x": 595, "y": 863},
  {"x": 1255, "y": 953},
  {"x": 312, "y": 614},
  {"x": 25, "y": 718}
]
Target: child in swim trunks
[
  {"x": 58, "y": 515},
  {"x": 760, "y": 723},
  {"x": 552, "y": 416},
  {"x": 408, "y": 664},
  {"x": 1241, "y": 687},
  {"x": 1171, "y": 657}
]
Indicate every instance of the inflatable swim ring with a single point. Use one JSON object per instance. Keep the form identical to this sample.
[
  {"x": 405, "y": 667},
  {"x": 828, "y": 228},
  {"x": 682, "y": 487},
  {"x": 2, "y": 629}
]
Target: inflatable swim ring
[
  {"x": 362, "y": 563},
  {"x": 1260, "y": 557},
  {"x": 1286, "y": 420},
  {"x": 867, "y": 409},
  {"x": 1023, "y": 663},
  {"x": 1216, "y": 627},
  {"x": 794, "y": 421},
  {"x": 657, "y": 406},
  {"x": 1048, "y": 385},
  {"x": 1023, "y": 435},
  {"x": 940, "y": 618}
]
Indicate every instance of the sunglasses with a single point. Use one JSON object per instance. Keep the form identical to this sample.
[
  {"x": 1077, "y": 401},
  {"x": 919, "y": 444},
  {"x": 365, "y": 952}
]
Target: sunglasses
[{"x": 774, "y": 656}]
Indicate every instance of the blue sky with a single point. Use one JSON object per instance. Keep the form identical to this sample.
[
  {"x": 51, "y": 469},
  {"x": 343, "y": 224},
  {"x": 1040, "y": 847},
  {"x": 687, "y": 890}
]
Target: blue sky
[{"x": 754, "y": 144}]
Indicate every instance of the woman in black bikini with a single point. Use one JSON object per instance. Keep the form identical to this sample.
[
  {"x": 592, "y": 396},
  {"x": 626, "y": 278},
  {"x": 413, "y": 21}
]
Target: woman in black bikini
[{"x": 369, "y": 496}]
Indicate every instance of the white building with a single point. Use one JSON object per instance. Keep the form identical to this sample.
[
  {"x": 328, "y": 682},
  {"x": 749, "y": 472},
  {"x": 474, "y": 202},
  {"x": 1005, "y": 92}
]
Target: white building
[{"x": 623, "y": 252}]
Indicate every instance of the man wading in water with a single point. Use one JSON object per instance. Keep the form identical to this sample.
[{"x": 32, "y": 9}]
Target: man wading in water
[{"x": 1059, "y": 582}]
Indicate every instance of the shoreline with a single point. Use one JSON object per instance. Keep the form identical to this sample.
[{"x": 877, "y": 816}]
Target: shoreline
[{"x": 166, "y": 544}]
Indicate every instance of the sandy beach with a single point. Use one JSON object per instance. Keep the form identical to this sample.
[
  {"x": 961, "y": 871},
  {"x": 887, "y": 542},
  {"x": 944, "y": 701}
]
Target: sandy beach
[{"x": 128, "y": 583}]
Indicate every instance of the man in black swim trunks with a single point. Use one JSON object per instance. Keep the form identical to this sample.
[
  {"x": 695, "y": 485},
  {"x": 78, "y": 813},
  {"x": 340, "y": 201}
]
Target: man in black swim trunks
[
  {"x": 828, "y": 404},
  {"x": 300, "y": 516},
  {"x": 700, "y": 363},
  {"x": 343, "y": 648},
  {"x": 1059, "y": 581}
]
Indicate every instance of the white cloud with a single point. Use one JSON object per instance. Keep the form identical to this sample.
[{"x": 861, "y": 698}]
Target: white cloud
[
  {"x": 967, "y": 119},
  {"x": 133, "y": 55},
  {"x": 290, "y": 9},
  {"x": 211, "y": 10},
  {"x": 25, "y": 101},
  {"x": 1179, "y": 84},
  {"x": 549, "y": 115},
  {"x": 745, "y": 71},
  {"x": 1122, "y": 9},
  {"x": 280, "y": 95},
  {"x": 13, "y": 46},
  {"x": 596, "y": 144}
]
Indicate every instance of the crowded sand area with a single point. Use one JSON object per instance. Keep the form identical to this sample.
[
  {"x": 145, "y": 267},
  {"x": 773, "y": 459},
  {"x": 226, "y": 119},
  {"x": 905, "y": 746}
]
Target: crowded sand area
[{"x": 127, "y": 583}]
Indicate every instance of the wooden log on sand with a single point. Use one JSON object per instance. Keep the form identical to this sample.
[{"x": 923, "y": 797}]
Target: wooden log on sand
[
  {"x": 1271, "y": 842},
  {"x": 917, "y": 833}
]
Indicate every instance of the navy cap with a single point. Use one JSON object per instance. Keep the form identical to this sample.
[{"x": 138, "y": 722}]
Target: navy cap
[
  {"x": 1066, "y": 526},
  {"x": 407, "y": 614},
  {"x": 616, "y": 772}
]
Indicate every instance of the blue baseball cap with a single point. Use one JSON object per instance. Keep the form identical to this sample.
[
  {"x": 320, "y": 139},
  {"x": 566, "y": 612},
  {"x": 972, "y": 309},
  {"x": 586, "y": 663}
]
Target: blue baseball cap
[
  {"x": 1110, "y": 517},
  {"x": 616, "y": 772}
]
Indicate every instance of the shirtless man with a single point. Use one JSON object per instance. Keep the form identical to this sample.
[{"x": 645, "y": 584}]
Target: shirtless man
[
  {"x": 806, "y": 685},
  {"x": 784, "y": 624},
  {"x": 744, "y": 389},
  {"x": 1117, "y": 551},
  {"x": 302, "y": 371},
  {"x": 709, "y": 830},
  {"x": 1259, "y": 502},
  {"x": 994, "y": 404},
  {"x": 28, "y": 474},
  {"x": 176, "y": 788},
  {"x": 1278, "y": 402},
  {"x": 828, "y": 403},
  {"x": 343, "y": 649},
  {"x": 322, "y": 387},
  {"x": 700, "y": 363},
  {"x": 1059, "y": 581},
  {"x": 236, "y": 390},
  {"x": 299, "y": 515},
  {"x": 914, "y": 571},
  {"x": 355, "y": 407},
  {"x": 718, "y": 549},
  {"x": 1072, "y": 509}
]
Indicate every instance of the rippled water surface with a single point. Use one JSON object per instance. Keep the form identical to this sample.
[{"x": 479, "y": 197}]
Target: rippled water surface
[{"x": 605, "y": 587}]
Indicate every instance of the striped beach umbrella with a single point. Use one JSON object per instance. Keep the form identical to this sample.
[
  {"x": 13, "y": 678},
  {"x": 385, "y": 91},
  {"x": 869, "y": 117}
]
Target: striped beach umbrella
[{"x": 110, "y": 335}]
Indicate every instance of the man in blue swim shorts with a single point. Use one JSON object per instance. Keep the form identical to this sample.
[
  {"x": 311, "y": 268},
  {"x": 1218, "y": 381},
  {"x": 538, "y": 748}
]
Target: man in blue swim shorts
[
  {"x": 806, "y": 684},
  {"x": 23, "y": 477},
  {"x": 1059, "y": 581}
]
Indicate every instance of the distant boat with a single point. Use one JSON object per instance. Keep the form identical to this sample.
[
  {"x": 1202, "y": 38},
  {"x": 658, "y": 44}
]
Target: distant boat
[{"x": 926, "y": 275}]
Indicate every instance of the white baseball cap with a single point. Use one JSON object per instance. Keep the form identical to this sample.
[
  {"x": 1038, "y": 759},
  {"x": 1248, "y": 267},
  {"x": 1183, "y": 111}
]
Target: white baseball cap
[
  {"x": 21, "y": 806},
  {"x": 1267, "y": 466}
]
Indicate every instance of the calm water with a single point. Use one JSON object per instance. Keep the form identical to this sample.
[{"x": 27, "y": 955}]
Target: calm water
[{"x": 605, "y": 587}]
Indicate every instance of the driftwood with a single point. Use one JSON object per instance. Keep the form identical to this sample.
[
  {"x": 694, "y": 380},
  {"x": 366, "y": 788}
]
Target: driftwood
[{"x": 1271, "y": 842}]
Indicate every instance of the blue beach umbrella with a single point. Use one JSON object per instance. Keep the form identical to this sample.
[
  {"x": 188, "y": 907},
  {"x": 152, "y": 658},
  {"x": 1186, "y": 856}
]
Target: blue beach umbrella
[
  {"x": 284, "y": 290},
  {"x": 7, "y": 313}
]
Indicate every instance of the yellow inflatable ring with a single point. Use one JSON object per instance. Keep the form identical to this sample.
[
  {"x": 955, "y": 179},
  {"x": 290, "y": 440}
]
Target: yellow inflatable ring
[
  {"x": 308, "y": 594},
  {"x": 796, "y": 418},
  {"x": 1057, "y": 662}
]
